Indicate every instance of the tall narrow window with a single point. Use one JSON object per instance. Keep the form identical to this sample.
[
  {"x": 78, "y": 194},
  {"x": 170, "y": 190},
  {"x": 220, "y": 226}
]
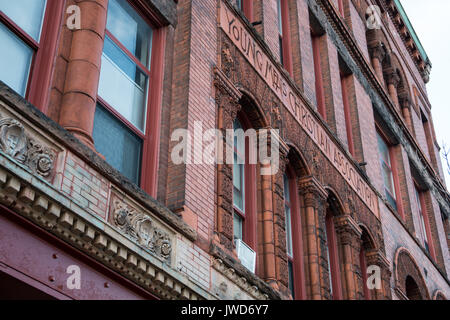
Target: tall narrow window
[
  {"x": 341, "y": 8},
  {"x": 294, "y": 243},
  {"x": 126, "y": 77},
  {"x": 424, "y": 232},
  {"x": 284, "y": 35},
  {"x": 320, "y": 95},
  {"x": 348, "y": 119},
  {"x": 26, "y": 31},
  {"x": 244, "y": 184},
  {"x": 246, "y": 6},
  {"x": 333, "y": 258},
  {"x": 289, "y": 246},
  {"x": 239, "y": 182},
  {"x": 387, "y": 164}
]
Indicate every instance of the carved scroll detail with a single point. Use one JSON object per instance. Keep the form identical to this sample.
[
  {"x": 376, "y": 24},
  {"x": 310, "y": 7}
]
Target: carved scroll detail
[
  {"x": 17, "y": 144},
  {"x": 141, "y": 227}
]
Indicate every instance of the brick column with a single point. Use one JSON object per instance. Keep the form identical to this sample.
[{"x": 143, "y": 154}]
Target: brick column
[
  {"x": 405, "y": 104},
  {"x": 83, "y": 71},
  {"x": 273, "y": 227},
  {"x": 281, "y": 259},
  {"x": 377, "y": 53},
  {"x": 314, "y": 199},
  {"x": 350, "y": 239},
  {"x": 377, "y": 258},
  {"x": 393, "y": 79}
]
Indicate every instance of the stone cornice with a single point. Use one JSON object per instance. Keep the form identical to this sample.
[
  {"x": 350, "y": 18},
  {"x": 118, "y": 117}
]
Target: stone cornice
[
  {"x": 38, "y": 201},
  {"x": 65, "y": 138},
  {"x": 237, "y": 273}
]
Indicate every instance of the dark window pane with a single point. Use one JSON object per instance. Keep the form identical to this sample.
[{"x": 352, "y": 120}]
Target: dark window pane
[
  {"x": 118, "y": 144},
  {"x": 291, "y": 278},
  {"x": 391, "y": 200}
]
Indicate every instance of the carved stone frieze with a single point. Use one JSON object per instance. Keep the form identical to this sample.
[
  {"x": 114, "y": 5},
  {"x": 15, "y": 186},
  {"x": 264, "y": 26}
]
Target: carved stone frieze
[
  {"x": 16, "y": 143},
  {"x": 141, "y": 227}
]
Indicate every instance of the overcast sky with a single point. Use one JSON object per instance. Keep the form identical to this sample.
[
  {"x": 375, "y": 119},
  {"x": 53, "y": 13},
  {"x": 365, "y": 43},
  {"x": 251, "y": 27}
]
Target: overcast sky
[{"x": 431, "y": 21}]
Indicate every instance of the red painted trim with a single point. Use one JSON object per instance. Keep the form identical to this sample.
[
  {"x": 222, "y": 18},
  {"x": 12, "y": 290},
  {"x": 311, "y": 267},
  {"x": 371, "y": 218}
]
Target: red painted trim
[
  {"x": 16, "y": 274},
  {"x": 341, "y": 8},
  {"x": 427, "y": 223},
  {"x": 152, "y": 146},
  {"x": 128, "y": 53},
  {"x": 348, "y": 119},
  {"x": 297, "y": 238},
  {"x": 45, "y": 57},
  {"x": 320, "y": 94},
  {"x": 334, "y": 257},
  {"x": 363, "y": 266},
  {"x": 286, "y": 38},
  {"x": 75, "y": 253},
  {"x": 247, "y": 8},
  {"x": 398, "y": 193}
]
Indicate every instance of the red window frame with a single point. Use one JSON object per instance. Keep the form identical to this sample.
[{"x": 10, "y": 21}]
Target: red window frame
[
  {"x": 320, "y": 93},
  {"x": 41, "y": 70},
  {"x": 284, "y": 35},
  {"x": 423, "y": 214},
  {"x": 150, "y": 139},
  {"x": 297, "y": 239},
  {"x": 250, "y": 202},
  {"x": 347, "y": 114},
  {"x": 247, "y": 9},
  {"x": 334, "y": 257},
  {"x": 341, "y": 8},
  {"x": 394, "y": 172}
]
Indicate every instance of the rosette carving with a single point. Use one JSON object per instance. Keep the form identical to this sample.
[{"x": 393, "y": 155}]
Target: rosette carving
[
  {"x": 17, "y": 144},
  {"x": 141, "y": 227}
]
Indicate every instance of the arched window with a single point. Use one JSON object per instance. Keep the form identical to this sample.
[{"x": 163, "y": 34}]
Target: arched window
[
  {"x": 244, "y": 183},
  {"x": 333, "y": 255},
  {"x": 294, "y": 244},
  {"x": 412, "y": 289},
  {"x": 367, "y": 244}
]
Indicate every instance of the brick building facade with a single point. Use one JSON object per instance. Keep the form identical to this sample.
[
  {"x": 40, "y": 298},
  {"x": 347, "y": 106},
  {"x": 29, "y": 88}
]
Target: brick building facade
[{"x": 92, "y": 91}]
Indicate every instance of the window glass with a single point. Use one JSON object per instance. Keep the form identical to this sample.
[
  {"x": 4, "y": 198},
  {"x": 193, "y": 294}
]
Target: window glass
[
  {"x": 237, "y": 226},
  {"x": 423, "y": 231},
  {"x": 130, "y": 29},
  {"x": 386, "y": 170},
  {"x": 280, "y": 18},
  {"x": 15, "y": 62},
  {"x": 291, "y": 278},
  {"x": 123, "y": 85},
  {"x": 239, "y": 168},
  {"x": 27, "y": 14},
  {"x": 118, "y": 144},
  {"x": 287, "y": 210}
]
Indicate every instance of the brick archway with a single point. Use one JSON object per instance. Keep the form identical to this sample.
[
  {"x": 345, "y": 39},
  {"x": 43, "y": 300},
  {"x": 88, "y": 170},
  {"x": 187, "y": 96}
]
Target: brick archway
[
  {"x": 409, "y": 282},
  {"x": 439, "y": 295}
]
